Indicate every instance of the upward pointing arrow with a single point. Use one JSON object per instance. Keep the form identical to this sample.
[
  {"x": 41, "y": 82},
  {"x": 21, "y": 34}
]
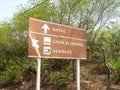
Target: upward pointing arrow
[
  {"x": 45, "y": 28},
  {"x": 35, "y": 43}
]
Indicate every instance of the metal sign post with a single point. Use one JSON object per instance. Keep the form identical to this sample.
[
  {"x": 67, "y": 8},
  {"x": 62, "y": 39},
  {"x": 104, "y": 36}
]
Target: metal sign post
[
  {"x": 78, "y": 74},
  {"x": 38, "y": 73}
]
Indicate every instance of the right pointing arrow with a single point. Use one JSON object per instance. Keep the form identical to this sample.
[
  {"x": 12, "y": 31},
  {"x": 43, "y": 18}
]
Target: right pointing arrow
[
  {"x": 35, "y": 43},
  {"x": 45, "y": 28}
]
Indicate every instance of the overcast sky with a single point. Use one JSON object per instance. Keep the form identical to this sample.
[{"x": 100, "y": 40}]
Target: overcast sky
[{"x": 9, "y": 7}]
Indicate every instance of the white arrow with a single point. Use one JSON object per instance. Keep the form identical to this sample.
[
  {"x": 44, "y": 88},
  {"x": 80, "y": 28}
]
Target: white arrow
[
  {"x": 35, "y": 43},
  {"x": 45, "y": 28}
]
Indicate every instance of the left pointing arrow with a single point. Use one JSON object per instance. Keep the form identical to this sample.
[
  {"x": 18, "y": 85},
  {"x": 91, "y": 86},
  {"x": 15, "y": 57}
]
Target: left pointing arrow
[{"x": 35, "y": 43}]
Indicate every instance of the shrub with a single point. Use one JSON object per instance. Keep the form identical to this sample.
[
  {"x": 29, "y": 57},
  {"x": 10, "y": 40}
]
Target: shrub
[
  {"x": 15, "y": 68},
  {"x": 115, "y": 69},
  {"x": 60, "y": 77}
]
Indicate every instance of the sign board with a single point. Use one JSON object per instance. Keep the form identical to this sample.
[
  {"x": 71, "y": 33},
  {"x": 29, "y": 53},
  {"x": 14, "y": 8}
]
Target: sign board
[{"x": 51, "y": 40}]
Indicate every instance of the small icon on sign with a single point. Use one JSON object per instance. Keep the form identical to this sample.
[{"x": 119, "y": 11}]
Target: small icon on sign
[
  {"x": 45, "y": 28},
  {"x": 47, "y": 40},
  {"x": 47, "y": 50}
]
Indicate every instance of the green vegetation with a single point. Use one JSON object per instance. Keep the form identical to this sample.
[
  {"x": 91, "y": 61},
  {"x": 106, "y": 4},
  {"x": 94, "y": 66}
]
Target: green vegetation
[
  {"x": 115, "y": 70},
  {"x": 92, "y": 15},
  {"x": 61, "y": 77}
]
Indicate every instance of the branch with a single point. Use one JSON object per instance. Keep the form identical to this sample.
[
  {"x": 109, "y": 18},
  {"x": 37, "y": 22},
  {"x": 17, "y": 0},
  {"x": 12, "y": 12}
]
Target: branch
[{"x": 108, "y": 69}]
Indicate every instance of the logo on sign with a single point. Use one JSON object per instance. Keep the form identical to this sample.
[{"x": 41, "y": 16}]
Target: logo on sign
[
  {"x": 47, "y": 40},
  {"x": 47, "y": 50}
]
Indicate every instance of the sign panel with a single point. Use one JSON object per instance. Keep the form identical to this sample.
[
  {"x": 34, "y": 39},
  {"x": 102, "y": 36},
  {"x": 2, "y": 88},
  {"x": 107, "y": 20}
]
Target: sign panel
[{"x": 51, "y": 40}]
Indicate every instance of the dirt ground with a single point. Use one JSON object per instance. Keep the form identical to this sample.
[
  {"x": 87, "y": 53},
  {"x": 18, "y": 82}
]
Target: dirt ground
[{"x": 94, "y": 77}]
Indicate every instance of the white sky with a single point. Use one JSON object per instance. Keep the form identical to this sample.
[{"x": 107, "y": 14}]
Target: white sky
[{"x": 9, "y": 7}]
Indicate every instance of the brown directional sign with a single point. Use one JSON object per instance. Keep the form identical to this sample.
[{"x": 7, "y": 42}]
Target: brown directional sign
[{"x": 51, "y": 40}]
